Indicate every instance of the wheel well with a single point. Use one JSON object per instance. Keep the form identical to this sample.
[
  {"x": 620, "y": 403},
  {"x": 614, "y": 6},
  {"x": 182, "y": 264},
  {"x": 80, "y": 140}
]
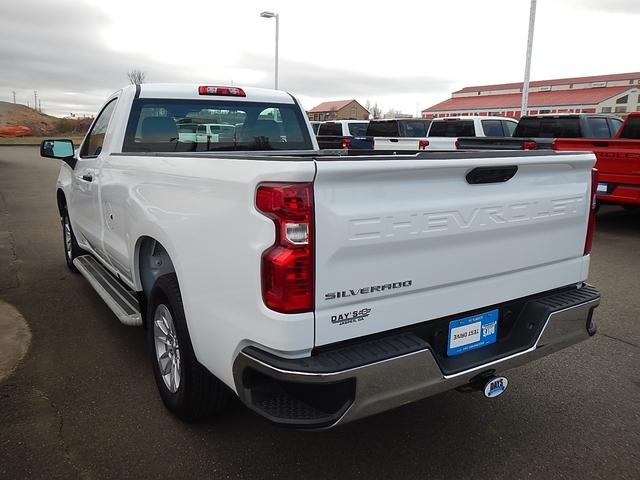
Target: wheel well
[
  {"x": 153, "y": 262},
  {"x": 62, "y": 201}
]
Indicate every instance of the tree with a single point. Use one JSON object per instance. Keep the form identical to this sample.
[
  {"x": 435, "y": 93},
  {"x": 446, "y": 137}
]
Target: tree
[
  {"x": 376, "y": 111},
  {"x": 136, "y": 77}
]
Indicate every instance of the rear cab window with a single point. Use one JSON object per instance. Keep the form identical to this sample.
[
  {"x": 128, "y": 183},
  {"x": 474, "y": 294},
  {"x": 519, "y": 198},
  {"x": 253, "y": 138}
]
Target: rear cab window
[
  {"x": 330, "y": 129},
  {"x": 413, "y": 128},
  {"x": 599, "y": 127},
  {"x": 357, "y": 129},
  {"x": 509, "y": 127},
  {"x": 160, "y": 125},
  {"x": 492, "y": 128},
  {"x": 549, "y": 127},
  {"x": 388, "y": 128},
  {"x": 452, "y": 128},
  {"x": 614, "y": 125},
  {"x": 631, "y": 129}
]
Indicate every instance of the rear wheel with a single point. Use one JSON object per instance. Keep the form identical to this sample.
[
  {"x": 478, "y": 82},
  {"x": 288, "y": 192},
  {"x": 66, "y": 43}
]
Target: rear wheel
[
  {"x": 186, "y": 387},
  {"x": 71, "y": 247}
]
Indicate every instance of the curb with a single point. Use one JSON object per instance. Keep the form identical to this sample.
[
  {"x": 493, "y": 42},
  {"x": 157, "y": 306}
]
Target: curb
[{"x": 15, "y": 337}]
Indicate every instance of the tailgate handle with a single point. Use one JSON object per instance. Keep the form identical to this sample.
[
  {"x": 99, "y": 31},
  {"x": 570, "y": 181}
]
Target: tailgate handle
[
  {"x": 482, "y": 175},
  {"x": 600, "y": 144},
  {"x": 394, "y": 140}
]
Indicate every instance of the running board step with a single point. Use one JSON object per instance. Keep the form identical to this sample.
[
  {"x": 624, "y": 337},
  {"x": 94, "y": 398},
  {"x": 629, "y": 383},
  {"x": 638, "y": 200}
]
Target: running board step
[{"x": 121, "y": 301}]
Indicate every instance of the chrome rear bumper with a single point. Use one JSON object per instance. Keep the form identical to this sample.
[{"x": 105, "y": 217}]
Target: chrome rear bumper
[{"x": 338, "y": 387}]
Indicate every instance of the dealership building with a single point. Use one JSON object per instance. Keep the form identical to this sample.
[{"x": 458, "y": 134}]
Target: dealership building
[{"x": 616, "y": 93}]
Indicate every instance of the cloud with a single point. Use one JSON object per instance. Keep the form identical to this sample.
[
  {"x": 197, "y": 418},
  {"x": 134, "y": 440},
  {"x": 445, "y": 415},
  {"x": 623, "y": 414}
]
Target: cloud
[
  {"x": 58, "y": 48},
  {"x": 611, "y": 6},
  {"x": 320, "y": 81}
]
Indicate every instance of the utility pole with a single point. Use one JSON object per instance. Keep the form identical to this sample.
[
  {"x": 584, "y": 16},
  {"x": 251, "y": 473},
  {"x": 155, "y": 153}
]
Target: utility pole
[
  {"x": 14, "y": 97},
  {"x": 40, "y": 105},
  {"x": 35, "y": 100},
  {"x": 527, "y": 65}
]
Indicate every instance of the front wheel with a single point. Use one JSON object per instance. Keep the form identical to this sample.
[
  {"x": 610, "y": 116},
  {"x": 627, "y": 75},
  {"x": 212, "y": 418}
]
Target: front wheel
[
  {"x": 71, "y": 247},
  {"x": 186, "y": 387}
]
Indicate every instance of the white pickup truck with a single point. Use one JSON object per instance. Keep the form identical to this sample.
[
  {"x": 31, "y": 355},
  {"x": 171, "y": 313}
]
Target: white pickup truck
[
  {"x": 320, "y": 288},
  {"x": 437, "y": 134}
]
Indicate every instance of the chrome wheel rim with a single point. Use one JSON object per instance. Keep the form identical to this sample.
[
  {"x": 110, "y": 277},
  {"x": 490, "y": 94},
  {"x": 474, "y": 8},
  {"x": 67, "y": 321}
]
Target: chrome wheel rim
[
  {"x": 167, "y": 348},
  {"x": 67, "y": 237}
]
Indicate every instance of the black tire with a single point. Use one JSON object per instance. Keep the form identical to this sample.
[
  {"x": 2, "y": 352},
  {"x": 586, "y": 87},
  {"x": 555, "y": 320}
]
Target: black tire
[
  {"x": 199, "y": 394},
  {"x": 70, "y": 244}
]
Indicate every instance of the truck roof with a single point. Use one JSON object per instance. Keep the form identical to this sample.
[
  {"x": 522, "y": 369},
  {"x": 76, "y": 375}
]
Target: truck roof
[
  {"x": 189, "y": 91},
  {"x": 473, "y": 117}
]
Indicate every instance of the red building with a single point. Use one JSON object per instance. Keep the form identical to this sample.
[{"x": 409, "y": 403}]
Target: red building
[{"x": 599, "y": 94}]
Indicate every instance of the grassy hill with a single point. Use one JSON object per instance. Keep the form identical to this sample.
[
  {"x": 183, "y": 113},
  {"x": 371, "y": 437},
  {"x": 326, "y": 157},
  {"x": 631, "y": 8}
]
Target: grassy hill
[{"x": 40, "y": 123}]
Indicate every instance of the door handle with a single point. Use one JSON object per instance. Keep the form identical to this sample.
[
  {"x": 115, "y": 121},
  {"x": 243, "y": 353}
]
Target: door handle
[
  {"x": 394, "y": 140},
  {"x": 87, "y": 177}
]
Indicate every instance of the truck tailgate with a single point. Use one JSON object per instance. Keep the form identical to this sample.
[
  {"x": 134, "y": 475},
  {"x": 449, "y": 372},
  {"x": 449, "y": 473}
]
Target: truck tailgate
[
  {"x": 405, "y": 240},
  {"x": 618, "y": 160},
  {"x": 396, "y": 143}
]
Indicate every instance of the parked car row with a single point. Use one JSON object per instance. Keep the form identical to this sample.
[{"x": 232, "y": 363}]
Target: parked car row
[
  {"x": 615, "y": 143},
  {"x": 408, "y": 134}
]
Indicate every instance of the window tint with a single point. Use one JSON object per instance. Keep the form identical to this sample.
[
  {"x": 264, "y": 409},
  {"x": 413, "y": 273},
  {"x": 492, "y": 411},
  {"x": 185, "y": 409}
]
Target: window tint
[
  {"x": 452, "y": 128},
  {"x": 233, "y": 126},
  {"x": 631, "y": 129},
  {"x": 187, "y": 128},
  {"x": 509, "y": 127},
  {"x": 358, "y": 129},
  {"x": 599, "y": 127},
  {"x": 330, "y": 128},
  {"x": 492, "y": 128},
  {"x": 92, "y": 145},
  {"x": 614, "y": 125},
  {"x": 413, "y": 128},
  {"x": 548, "y": 127},
  {"x": 387, "y": 128}
]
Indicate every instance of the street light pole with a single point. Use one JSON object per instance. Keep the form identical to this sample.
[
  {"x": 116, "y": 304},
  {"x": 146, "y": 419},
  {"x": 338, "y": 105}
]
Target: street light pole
[
  {"x": 277, "y": 17},
  {"x": 527, "y": 66}
]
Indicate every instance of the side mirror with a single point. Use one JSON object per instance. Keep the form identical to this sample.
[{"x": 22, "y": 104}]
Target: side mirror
[{"x": 60, "y": 149}]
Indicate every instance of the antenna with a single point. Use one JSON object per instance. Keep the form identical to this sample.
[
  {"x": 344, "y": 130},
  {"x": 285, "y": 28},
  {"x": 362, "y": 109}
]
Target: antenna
[
  {"x": 35, "y": 100},
  {"x": 14, "y": 97}
]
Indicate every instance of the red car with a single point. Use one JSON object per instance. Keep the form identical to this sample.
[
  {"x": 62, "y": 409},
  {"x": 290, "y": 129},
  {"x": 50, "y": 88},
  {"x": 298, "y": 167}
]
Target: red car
[{"x": 618, "y": 162}]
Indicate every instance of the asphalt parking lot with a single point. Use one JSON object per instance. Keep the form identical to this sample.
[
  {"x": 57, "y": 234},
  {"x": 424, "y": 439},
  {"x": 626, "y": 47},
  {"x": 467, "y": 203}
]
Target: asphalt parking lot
[{"x": 83, "y": 403}]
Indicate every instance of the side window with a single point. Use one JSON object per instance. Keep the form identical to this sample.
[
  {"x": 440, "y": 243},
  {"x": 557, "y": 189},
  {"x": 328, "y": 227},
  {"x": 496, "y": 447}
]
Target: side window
[
  {"x": 614, "y": 125},
  {"x": 202, "y": 129},
  {"x": 92, "y": 145},
  {"x": 599, "y": 127},
  {"x": 492, "y": 128},
  {"x": 331, "y": 129},
  {"x": 509, "y": 128}
]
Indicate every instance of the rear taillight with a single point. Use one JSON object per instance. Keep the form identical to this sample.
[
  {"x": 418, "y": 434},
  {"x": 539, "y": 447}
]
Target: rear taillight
[
  {"x": 346, "y": 143},
  {"x": 287, "y": 266},
  {"x": 423, "y": 144},
  {"x": 591, "y": 226},
  {"x": 529, "y": 145}
]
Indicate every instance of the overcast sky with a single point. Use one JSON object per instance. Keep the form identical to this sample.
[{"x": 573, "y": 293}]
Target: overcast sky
[{"x": 405, "y": 55}]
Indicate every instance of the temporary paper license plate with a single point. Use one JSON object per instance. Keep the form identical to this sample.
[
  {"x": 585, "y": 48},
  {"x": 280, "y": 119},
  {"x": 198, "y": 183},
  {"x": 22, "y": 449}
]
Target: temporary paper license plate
[
  {"x": 602, "y": 188},
  {"x": 472, "y": 332}
]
